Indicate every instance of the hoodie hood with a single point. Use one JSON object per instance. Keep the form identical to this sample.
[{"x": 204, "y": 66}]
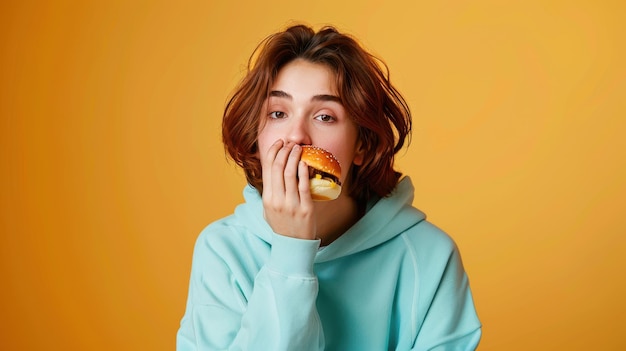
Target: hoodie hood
[{"x": 384, "y": 219}]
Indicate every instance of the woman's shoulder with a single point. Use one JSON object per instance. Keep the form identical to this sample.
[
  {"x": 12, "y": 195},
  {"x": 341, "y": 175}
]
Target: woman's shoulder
[
  {"x": 429, "y": 240},
  {"x": 226, "y": 242},
  {"x": 225, "y": 235}
]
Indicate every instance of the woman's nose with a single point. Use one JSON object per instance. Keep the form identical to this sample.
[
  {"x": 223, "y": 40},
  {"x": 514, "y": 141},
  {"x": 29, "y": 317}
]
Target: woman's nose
[{"x": 298, "y": 132}]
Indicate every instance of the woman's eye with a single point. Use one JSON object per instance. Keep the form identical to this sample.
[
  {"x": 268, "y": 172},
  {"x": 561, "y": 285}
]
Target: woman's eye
[
  {"x": 325, "y": 118},
  {"x": 277, "y": 115}
]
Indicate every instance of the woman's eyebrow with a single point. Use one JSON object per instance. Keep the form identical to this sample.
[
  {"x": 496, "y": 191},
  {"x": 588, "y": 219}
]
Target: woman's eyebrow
[
  {"x": 326, "y": 97},
  {"x": 320, "y": 97},
  {"x": 280, "y": 94}
]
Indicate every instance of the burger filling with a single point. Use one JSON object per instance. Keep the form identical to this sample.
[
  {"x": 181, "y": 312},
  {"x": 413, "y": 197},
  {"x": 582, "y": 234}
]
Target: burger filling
[{"x": 316, "y": 173}]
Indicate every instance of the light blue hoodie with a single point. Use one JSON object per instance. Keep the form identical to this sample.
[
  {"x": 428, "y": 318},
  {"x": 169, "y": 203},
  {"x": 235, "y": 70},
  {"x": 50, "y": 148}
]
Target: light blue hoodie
[{"x": 392, "y": 282}]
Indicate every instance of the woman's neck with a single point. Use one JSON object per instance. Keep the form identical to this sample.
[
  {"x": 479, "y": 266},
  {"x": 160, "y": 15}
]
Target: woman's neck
[{"x": 333, "y": 218}]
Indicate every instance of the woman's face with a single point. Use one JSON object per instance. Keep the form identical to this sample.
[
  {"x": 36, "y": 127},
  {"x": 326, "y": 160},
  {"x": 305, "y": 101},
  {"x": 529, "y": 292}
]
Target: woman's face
[{"x": 304, "y": 108}]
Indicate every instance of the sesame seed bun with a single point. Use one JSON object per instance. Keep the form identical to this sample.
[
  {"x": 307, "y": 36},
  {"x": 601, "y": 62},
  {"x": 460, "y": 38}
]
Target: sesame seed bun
[{"x": 325, "y": 173}]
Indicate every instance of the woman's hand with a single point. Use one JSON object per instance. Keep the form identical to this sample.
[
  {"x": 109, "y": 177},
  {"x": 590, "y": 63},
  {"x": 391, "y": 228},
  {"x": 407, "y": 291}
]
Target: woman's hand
[{"x": 287, "y": 203}]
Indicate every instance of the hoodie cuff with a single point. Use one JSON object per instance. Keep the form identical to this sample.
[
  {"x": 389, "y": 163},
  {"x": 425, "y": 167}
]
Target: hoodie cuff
[{"x": 292, "y": 256}]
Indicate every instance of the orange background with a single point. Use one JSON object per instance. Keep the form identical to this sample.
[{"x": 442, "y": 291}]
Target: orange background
[{"x": 112, "y": 161}]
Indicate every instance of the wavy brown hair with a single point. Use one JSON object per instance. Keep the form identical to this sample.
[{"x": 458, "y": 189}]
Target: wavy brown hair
[{"x": 380, "y": 112}]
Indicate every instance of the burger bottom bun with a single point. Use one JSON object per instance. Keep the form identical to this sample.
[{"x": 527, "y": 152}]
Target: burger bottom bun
[{"x": 324, "y": 190}]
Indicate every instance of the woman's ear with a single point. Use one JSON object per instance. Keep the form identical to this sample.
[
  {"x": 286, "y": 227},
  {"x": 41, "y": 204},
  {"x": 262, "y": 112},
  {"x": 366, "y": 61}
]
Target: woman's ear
[{"x": 359, "y": 154}]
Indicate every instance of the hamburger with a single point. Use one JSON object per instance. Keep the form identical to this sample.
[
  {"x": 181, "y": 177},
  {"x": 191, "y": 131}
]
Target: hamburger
[{"x": 324, "y": 173}]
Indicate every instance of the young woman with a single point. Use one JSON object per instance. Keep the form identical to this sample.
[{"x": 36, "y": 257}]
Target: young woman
[{"x": 365, "y": 271}]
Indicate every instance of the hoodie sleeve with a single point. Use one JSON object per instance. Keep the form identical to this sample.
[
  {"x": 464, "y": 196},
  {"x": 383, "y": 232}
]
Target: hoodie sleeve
[
  {"x": 278, "y": 314},
  {"x": 450, "y": 322}
]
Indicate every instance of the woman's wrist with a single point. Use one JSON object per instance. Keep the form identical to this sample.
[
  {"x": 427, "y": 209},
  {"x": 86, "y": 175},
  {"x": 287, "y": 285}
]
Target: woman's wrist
[{"x": 293, "y": 256}]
